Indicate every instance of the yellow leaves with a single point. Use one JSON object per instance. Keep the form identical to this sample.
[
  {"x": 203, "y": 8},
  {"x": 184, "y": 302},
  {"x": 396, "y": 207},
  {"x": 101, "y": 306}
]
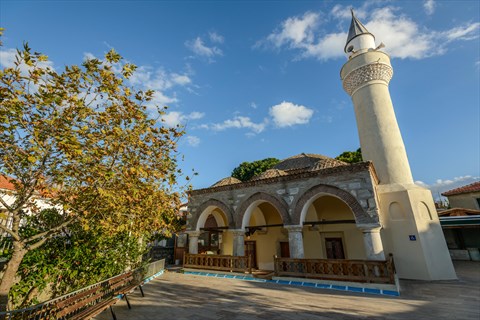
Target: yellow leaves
[
  {"x": 31, "y": 159},
  {"x": 112, "y": 56}
]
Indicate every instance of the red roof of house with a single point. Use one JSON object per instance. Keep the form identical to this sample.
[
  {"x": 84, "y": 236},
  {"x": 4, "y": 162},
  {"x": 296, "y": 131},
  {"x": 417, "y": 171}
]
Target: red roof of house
[
  {"x": 5, "y": 183},
  {"x": 473, "y": 187}
]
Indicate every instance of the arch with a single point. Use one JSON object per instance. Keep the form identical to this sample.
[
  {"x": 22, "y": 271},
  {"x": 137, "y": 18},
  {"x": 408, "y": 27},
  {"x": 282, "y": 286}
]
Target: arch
[
  {"x": 249, "y": 204},
  {"x": 207, "y": 208},
  {"x": 302, "y": 204}
]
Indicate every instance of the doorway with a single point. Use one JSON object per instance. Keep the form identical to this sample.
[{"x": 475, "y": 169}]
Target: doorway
[
  {"x": 334, "y": 248},
  {"x": 251, "y": 250},
  {"x": 284, "y": 249}
]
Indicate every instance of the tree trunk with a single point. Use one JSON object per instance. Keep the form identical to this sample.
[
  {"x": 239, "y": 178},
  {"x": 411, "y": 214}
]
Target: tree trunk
[{"x": 8, "y": 278}]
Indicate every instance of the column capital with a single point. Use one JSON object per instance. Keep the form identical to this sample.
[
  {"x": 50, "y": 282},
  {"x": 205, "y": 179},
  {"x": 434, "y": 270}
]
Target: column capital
[
  {"x": 294, "y": 228},
  {"x": 237, "y": 232},
  {"x": 193, "y": 233},
  {"x": 370, "y": 228}
]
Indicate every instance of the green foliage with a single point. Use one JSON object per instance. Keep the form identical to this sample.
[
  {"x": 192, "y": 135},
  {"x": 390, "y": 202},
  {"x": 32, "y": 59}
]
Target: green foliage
[
  {"x": 82, "y": 140},
  {"x": 351, "y": 156},
  {"x": 74, "y": 259},
  {"x": 247, "y": 170}
]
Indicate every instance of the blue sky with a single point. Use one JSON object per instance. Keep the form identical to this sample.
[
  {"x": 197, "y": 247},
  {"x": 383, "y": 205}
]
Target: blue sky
[{"x": 258, "y": 79}]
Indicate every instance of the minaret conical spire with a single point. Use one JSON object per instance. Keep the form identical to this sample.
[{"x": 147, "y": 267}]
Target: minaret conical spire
[{"x": 356, "y": 29}]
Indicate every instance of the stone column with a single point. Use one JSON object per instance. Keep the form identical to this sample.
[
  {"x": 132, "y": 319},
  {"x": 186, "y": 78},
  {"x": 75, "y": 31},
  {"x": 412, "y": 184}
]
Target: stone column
[
  {"x": 295, "y": 241},
  {"x": 193, "y": 241},
  {"x": 373, "y": 242},
  {"x": 238, "y": 243}
]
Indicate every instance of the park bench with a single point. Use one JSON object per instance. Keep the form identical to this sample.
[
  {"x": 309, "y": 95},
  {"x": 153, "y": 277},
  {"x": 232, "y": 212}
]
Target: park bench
[
  {"x": 85, "y": 304},
  {"x": 88, "y": 302}
]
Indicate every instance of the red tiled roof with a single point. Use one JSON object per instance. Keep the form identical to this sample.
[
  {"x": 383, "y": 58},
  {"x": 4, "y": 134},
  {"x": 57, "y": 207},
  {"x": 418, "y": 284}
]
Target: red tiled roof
[
  {"x": 5, "y": 183},
  {"x": 473, "y": 187}
]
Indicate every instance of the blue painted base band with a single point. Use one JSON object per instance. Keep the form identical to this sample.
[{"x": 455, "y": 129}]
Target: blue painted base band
[{"x": 298, "y": 283}]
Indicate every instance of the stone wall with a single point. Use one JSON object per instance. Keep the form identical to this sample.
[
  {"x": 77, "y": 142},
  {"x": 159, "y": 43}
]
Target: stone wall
[{"x": 353, "y": 184}]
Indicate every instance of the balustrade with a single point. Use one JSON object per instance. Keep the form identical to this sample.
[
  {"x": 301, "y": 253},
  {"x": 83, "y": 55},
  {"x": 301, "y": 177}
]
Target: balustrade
[
  {"x": 338, "y": 270},
  {"x": 218, "y": 262}
]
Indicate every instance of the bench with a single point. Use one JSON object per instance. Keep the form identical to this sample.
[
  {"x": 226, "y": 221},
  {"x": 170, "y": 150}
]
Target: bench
[
  {"x": 89, "y": 302},
  {"x": 125, "y": 283}
]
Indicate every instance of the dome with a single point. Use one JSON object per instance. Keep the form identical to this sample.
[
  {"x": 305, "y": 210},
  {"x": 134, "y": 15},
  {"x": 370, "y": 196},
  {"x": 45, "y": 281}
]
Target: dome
[
  {"x": 328, "y": 163},
  {"x": 270, "y": 173},
  {"x": 307, "y": 161},
  {"x": 226, "y": 181}
]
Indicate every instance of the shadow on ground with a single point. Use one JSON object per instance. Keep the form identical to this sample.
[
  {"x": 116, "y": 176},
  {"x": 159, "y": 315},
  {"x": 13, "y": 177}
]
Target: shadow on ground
[{"x": 178, "y": 296}]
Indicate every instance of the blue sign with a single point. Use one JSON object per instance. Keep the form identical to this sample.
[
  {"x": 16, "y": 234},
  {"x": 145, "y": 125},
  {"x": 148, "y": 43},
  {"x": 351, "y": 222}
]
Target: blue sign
[{"x": 412, "y": 237}]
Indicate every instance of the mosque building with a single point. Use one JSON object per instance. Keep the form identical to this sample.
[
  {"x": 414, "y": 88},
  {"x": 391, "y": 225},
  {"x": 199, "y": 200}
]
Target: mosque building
[{"x": 312, "y": 207}]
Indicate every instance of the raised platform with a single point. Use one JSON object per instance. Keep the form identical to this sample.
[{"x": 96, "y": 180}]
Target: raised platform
[{"x": 368, "y": 288}]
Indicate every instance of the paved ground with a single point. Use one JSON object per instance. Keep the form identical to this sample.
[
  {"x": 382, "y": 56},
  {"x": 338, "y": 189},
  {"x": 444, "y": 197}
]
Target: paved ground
[{"x": 177, "y": 296}]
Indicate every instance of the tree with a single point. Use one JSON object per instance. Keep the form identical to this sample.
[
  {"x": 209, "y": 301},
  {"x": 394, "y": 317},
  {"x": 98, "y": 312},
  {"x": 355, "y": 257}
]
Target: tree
[
  {"x": 82, "y": 140},
  {"x": 351, "y": 156},
  {"x": 247, "y": 170}
]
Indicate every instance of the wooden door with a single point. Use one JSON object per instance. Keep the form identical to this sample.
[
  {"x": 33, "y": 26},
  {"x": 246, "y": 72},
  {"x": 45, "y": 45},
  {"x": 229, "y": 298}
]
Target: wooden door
[
  {"x": 284, "y": 250},
  {"x": 251, "y": 250},
  {"x": 334, "y": 248}
]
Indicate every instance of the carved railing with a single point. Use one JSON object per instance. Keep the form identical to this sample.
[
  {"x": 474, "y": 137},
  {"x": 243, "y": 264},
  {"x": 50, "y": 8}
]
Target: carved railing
[
  {"x": 369, "y": 271},
  {"x": 217, "y": 262}
]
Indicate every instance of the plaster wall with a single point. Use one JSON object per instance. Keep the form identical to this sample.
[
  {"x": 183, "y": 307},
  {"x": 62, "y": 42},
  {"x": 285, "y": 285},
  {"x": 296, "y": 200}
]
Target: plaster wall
[
  {"x": 227, "y": 243},
  {"x": 466, "y": 200},
  {"x": 414, "y": 235},
  {"x": 268, "y": 245}
]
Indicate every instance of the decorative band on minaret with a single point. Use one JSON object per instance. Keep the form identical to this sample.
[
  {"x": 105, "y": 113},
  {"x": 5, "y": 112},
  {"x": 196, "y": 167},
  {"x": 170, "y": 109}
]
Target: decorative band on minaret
[{"x": 364, "y": 75}]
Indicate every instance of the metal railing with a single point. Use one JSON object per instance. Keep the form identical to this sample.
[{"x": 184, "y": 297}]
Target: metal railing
[
  {"x": 47, "y": 310},
  {"x": 369, "y": 271},
  {"x": 218, "y": 262}
]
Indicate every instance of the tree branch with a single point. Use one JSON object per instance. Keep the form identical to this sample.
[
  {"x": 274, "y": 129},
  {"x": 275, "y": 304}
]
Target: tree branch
[
  {"x": 13, "y": 234},
  {"x": 3, "y": 203},
  {"x": 47, "y": 234}
]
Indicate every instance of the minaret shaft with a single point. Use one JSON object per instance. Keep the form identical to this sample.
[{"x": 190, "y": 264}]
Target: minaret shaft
[{"x": 366, "y": 77}]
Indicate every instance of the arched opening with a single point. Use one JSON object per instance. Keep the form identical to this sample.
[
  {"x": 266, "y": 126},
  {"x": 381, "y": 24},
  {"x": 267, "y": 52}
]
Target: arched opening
[
  {"x": 264, "y": 232},
  {"x": 212, "y": 223},
  {"x": 329, "y": 230}
]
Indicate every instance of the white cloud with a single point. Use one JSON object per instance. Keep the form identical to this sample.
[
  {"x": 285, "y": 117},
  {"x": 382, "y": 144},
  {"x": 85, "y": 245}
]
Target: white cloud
[
  {"x": 215, "y": 37},
  {"x": 193, "y": 140},
  {"x": 429, "y": 6},
  {"x": 329, "y": 47},
  {"x": 174, "y": 118},
  {"x": 8, "y": 58},
  {"x": 466, "y": 32},
  {"x": 287, "y": 114},
  {"x": 403, "y": 37},
  {"x": 158, "y": 79},
  {"x": 441, "y": 185},
  {"x": 159, "y": 99},
  {"x": 88, "y": 56},
  {"x": 198, "y": 47},
  {"x": 161, "y": 81},
  {"x": 238, "y": 122},
  {"x": 295, "y": 31}
]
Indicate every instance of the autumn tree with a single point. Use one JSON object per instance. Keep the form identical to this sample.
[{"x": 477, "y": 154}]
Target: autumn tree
[
  {"x": 247, "y": 170},
  {"x": 85, "y": 142},
  {"x": 351, "y": 156}
]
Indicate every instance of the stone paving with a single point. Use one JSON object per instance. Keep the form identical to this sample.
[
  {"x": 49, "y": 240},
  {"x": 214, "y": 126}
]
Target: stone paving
[{"x": 178, "y": 296}]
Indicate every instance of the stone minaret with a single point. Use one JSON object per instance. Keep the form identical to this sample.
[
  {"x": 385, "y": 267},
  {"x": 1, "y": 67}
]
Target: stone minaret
[{"x": 411, "y": 229}]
